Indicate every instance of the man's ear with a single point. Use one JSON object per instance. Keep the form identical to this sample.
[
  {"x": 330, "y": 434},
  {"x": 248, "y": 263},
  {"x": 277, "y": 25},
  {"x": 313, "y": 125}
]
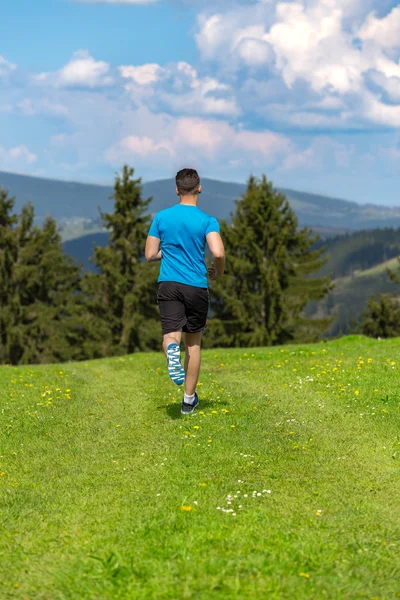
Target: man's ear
[
  {"x": 200, "y": 189},
  {"x": 177, "y": 192}
]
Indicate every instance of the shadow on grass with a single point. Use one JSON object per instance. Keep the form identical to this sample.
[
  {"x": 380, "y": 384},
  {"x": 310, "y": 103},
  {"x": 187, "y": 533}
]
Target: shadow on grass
[{"x": 173, "y": 410}]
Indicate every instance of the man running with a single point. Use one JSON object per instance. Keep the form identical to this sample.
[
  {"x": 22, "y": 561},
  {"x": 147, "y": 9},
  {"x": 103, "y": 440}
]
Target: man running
[{"x": 178, "y": 237}]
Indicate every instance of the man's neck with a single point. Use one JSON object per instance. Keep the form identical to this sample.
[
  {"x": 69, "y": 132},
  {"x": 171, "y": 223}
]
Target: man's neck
[{"x": 189, "y": 200}]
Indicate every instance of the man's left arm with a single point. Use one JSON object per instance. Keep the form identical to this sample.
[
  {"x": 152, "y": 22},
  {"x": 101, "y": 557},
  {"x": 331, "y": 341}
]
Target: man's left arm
[{"x": 152, "y": 251}]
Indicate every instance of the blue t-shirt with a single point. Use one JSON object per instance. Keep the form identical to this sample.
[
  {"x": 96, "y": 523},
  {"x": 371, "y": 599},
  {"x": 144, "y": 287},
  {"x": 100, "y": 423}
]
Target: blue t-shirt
[{"x": 182, "y": 230}]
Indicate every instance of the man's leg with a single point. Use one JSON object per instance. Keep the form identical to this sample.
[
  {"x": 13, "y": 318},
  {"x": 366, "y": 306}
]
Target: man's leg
[
  {"x": 192, "y": 362},
  {"x": 171, "y": 338},
  {"x": 173, "y": 318}
]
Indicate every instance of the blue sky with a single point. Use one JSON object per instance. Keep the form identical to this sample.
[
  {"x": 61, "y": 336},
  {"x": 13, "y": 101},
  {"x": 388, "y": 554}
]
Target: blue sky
[{"x": 305, "y": 91}]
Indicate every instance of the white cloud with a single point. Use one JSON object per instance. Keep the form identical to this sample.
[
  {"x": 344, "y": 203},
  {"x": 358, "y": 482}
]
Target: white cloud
[
  {"x": 380, "y": 113},
  {"x": 16, "y": 158},
  {"x": 178, "y": 88},
  {"x": 32, "y": 107},
  {"x": 85, "y": 71},
  {"x": 202, "y": 141},
  {"x": 324, "y": 51},
  {"x": 212, "y": 34},
  {"x": 6, "y": 67},
  {"x": 266, "y": 144},
  {"x": 393, "y": 154},
  {"x": 191, "y": 94},
  {"x": 82, "y": 71},
  {"x": 302, "y": 38},
  {"x": 22, "y": 153},
  {"x": 142, "y": 75},
  {"x": 132, "y": 146},
  {"x": 202, "y": 136},
  {"x": 322, "y": 149},
  {"x": 236, "y": 37},
  {"x": 387, "y": 67},
  {"x": 219, "y": 139},
  {"x": 306, "y": 43},
  {"x": 385, "y": 31},
  {"x": 389, "y": 85},
  {"x": 254, "y": 52}
]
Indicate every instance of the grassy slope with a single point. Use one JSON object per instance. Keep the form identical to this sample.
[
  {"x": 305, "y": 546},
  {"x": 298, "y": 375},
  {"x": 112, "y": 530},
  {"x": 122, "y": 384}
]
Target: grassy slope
[
  {"x": 377, "y": 270},
  {"x": 95, "y": 472}
]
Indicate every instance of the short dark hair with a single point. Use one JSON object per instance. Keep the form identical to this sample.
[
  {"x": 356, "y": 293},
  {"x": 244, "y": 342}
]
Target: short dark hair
[{"x": 187, "y": 182}]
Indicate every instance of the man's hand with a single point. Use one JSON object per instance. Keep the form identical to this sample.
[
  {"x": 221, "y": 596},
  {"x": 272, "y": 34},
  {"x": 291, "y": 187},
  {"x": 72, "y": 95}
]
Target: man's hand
[
  {"x": 212, "y": 273},
  {"x": 216, "y": 246}
]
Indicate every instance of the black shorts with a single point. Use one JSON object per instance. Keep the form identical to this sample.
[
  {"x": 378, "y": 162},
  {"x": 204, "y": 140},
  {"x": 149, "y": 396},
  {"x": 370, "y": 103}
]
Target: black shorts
[{"x": 182, "y": 307}]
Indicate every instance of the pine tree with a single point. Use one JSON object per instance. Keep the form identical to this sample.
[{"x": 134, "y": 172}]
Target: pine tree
[
  {"x": 122, "y": 293},
  {"x": 8, "y": 258},
  {"x": 268, "y": 273},
  {"x": 305, "y": 287},
  {"x": 50, "y": 326},
  {"x": 43, "y": 317},
  {"x": 381, "y": 317}
]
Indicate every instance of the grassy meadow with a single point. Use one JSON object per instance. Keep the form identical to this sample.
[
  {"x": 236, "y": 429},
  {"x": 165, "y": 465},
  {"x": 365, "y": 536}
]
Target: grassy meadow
[{"x": 284, "y": 484}]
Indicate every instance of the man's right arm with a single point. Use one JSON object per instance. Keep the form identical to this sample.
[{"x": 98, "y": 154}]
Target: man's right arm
[{"x": 216, "y": 246}]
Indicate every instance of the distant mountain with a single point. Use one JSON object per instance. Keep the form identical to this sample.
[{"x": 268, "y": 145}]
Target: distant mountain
[
  {"x": 61, "y": 199},
  {"x": 66, "y": 201}
]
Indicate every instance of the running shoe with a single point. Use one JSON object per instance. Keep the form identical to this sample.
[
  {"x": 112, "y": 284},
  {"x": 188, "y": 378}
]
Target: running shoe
[{"x": 188, "y": 409}]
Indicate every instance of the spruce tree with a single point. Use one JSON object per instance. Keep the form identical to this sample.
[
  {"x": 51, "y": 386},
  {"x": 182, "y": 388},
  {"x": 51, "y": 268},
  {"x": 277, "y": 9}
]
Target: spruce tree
[
  {"x": 381, "y": 317},
  {"x": 122, "y": 293},
  {"x": 50, "y": 325},
  {"x": 268, "y": 273},
  {"x": 43, "y": 317},
  {"x": 8, "y": 257}
]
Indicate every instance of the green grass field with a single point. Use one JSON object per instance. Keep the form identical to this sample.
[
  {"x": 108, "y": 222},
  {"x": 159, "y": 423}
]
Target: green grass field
[{"x": 285, "y": 483}]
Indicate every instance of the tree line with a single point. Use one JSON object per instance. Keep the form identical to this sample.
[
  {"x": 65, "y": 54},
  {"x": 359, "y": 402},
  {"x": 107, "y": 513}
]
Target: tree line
[
  {"x": 360, "y": 250},
  {"x": 50, "y": 311}
]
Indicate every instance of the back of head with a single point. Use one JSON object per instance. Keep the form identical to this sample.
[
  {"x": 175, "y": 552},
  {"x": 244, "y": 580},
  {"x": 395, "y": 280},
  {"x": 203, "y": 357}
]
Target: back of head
[{"x": 187, "y": 182}]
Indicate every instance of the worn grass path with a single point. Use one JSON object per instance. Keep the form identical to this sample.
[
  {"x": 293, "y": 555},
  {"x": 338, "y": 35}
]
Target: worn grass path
[{"x": 285, "y": 484}]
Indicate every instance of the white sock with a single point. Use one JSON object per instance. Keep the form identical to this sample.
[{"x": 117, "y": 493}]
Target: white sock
[{"x": 189, "y": 399}]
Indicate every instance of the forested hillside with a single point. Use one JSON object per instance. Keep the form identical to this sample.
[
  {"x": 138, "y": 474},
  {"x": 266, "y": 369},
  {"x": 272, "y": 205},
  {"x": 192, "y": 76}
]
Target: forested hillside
[
  {"x": 360, "y": 250},
  {"x": 349, "y": 296}
]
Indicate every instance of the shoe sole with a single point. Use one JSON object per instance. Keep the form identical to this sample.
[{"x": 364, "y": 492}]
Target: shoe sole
[
  {"x": 176, "y": 372},
  {"x": 178, "y": 381}
]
